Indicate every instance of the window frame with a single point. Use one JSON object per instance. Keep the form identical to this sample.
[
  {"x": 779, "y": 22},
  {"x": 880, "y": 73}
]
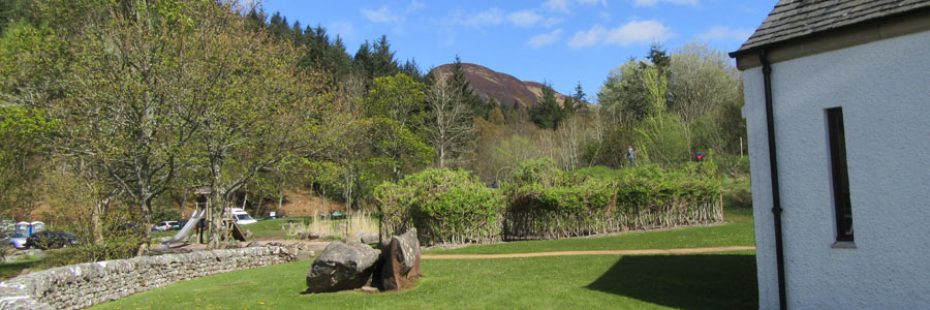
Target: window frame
[{"x": 839, "y": 172}]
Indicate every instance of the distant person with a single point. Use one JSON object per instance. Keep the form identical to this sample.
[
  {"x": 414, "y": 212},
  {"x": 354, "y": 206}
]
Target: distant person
[{"x": 631, "y": 156}]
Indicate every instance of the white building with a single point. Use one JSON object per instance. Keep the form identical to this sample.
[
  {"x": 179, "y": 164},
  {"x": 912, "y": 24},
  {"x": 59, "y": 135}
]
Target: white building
[{"x": 838, "y": 107}]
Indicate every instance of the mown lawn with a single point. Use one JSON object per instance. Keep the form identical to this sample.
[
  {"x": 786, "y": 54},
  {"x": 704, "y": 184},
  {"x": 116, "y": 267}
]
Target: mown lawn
[
  {"x": 593, "y": 282},
  {"x": 711, "y": 281},
  {"x": 738, "y": 230},
  {"x": 263, "y": 230},
  {"x": 12, "y": 269}
]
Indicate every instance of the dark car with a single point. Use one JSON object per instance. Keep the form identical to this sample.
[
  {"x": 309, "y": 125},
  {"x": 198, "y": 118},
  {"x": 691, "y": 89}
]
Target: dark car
[{"x": 50, "y": 239}]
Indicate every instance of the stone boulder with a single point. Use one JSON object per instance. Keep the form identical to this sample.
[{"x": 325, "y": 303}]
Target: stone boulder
[
  {"x": 400, "y": 265},
  {"x": 342, "y": 267},
  {"x": 367, "y": 238}
]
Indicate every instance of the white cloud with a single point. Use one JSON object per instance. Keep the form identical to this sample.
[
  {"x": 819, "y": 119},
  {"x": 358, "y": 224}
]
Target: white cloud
[
  {"x": 530, "y": 19},
  {"x": 633, "y": 32},
  {"x": 593, "y": 2},
  {"x": 544, "y": 39},
  {"x": 385, "y": 15},
  {"x": 722, "y": 33},
  {"x": 656, "y": 2},
  {"x": 342, "y": 28},
  {"x": 415, "y": 5},
  {"x": 489, "y": 17},
  {"x": 382, "y": 15},
  {"x": 564, "y": 6},
  {"x": 525, "y": 18},
  {"x": 556, "y": 5}
]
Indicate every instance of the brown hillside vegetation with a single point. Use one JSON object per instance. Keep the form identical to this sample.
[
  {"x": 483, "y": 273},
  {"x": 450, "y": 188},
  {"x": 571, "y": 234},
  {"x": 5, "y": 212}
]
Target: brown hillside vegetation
[
  {"x": 301, "y": 203},
  {"x": 505, "y": 88}
]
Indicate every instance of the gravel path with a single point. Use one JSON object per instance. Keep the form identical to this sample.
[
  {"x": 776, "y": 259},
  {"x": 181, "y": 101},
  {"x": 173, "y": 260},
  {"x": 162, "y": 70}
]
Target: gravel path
[{"x": 603, "y": 252}]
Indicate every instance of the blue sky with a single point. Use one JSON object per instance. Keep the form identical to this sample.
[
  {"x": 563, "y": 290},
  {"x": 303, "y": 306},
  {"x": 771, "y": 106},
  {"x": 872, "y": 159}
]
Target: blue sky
[{"x": 560, "y": 41}]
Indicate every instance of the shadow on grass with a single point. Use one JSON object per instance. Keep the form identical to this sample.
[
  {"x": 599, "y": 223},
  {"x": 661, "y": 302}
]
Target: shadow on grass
[{"x": 684, "y": 281}]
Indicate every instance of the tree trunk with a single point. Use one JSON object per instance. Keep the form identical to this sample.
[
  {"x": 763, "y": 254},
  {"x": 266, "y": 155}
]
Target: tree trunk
[{"x": 96, "y": 222}]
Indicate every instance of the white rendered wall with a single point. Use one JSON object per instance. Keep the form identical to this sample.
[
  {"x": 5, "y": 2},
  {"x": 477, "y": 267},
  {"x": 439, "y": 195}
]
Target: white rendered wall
[{"x": 884, "y": 90}]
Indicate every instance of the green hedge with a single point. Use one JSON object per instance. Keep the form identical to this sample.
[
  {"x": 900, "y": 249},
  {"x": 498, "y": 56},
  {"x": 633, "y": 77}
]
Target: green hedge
[
  {"x": 599, "y": 200},
  {"x": 445, "y": 206},
  {"x": 544, "y": 202}
]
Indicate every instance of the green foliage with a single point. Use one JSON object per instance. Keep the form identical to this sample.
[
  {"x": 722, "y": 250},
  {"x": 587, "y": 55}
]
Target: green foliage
[
  {"x": 594, "y": 201},
  {"x": 165, "y": 214},
  {"x": 396, "y": 147},
  {"x": 25, "y": 133},
  {"x": 659, "y": 57},
  {"x": 32, "y": 60},
  {"x": 376, "y": 60},
  {"x": 662, "y": 139},
  {"x": 541, "y": 171},
  {"x": 548, "y": 113},
  {"x": 446, "y": 206},
  {"x": 400, "y": 98},
  {"x": 624, "y": 96},
  {"x": 12, "y": 11},
  {"x": 90, "y": 252}
]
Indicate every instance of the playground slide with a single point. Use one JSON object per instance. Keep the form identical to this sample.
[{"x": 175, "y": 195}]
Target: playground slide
[{"x": 186, "y": 230}]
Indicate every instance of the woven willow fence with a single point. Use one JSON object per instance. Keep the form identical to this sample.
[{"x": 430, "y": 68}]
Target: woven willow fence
[
  {"x": 446, "y": 207},
  {"x": 591, "y": 208},
  {"x": 454, "y": 207}
]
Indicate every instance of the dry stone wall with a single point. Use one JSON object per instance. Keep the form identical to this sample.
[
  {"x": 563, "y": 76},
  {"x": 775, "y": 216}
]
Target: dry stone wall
[{"x": 84, "y": 285}]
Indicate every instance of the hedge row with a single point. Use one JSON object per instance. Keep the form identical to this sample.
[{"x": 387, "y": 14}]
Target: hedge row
[
  {"x": 445, "y": 206},
  {"x": 596, "y": 201},
  {"x": 543, "y": 202}
]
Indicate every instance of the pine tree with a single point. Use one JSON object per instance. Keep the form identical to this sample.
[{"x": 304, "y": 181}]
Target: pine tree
[
  {"x": 256, "y": 18},
  {"x": 411, "y": 68},
  {"x": 297, "y": 34},
  {"x": 579, "y": 95},
  {"x": 362, "y": 59},
  {"x": 569, "y": 106},
  {"x": 383, "y": 63},
  {"x": 479, "y": 107},
  {"x": 659, "y": 57},
  {"x": 547, "y": 114}
]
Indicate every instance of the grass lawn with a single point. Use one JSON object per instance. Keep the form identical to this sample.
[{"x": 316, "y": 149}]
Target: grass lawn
[
  {"x": 738, "y": 230},
  {"x": 9, "y": 270},
  {"x": 711, "y": 281},
  {"x": 599, "y": 282},
  {"x": 270, "y": 229},
  {"x": 263, "y": 230}
]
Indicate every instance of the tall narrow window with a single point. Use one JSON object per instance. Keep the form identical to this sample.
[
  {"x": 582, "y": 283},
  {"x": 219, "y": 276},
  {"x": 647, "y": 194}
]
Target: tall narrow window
[{"x": 841, "y": 203}]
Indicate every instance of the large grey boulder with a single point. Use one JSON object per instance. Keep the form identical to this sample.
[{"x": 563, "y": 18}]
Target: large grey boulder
[
  {"x": 342, "y": 267},
  {"x": 400, "y": 267}
]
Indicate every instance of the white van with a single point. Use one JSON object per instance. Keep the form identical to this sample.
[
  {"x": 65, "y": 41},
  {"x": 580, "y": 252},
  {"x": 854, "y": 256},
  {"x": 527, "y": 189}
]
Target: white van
[{"x": 241, "y": 217}]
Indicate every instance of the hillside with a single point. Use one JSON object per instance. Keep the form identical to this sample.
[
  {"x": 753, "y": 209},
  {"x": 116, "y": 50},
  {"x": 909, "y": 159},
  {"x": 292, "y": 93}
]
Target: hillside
[{"x": 506, "y": 89}]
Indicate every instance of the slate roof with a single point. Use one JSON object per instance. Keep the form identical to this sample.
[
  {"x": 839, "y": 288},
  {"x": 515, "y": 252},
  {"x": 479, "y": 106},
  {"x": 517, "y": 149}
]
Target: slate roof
[{"x": 791, "y": 19}]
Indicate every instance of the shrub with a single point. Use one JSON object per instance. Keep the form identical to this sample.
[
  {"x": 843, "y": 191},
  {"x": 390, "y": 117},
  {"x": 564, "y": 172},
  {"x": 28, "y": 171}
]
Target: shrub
[
  {"x": 592, "y": 201},
  {"x": 538, "y": 171},
  {"x": 90, "y": 252},
  {"x": 445, "y": 206}
]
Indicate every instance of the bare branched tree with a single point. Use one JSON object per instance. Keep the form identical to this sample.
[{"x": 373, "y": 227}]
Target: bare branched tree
[{"x": 452, "y": 123}]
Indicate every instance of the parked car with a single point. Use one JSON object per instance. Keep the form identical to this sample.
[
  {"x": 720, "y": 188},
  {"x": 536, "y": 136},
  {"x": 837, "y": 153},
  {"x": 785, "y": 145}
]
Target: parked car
[
  {"x": 18, "y": 240},
  {"x": 241, "y": 217},
  {"x": 50, "y": 239},
  {"x": 165, "y": 226}
]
